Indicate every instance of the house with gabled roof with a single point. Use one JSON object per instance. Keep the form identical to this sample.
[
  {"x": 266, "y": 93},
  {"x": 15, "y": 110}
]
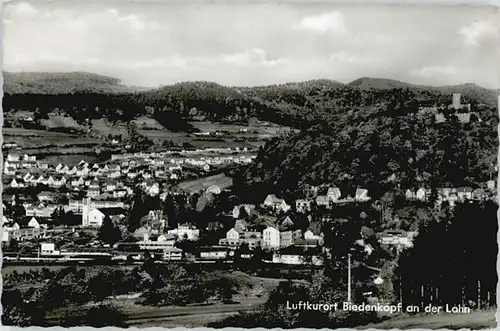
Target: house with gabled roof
[
  {"x": 410, "y": 195},
  {"x": 14, "y": 157},
  {"x": 9, "y": 171},
  {"x": 240, "y": 225},
  {"x": 286, "y": 224},
  {"x": 110, "y": 186},
  {"x": 422, "y": 194},
  {"x": 276, "y": 204},
  {"x": 479, "y": 194},
  {"x": 45, "y": 196},
  {"x": 33, "y": 223},
  {"x": 361, "y": 195},
  {"x": 93, "y": 218},
  {"x": 271, "y": 238},
  {"x": 17, "y": 183},
  {"x": 333, "y": 193},
  {"x": 302, "y": 205},
  {"x": 464, "y": 193},
  {"x": 27, "y": 177},
  {"x": 323, "y": 200}
]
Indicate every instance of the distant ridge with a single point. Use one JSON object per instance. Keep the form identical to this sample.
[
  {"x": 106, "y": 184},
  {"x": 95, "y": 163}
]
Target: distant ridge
[
  {"x": 472, "y": 90},
  {"x": 61, "y": 83},
  {"x": 378, "y": 83},
  {"x": 71, "y": 82}
]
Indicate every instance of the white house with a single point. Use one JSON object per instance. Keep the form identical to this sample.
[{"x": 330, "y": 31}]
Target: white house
[
  {"x": 33, "y": 223},
  {"x": 362, "y": 194},
  {"x": 397, "y": 238},
  {"x": 172, "y": 254},
  {"x": 302, "y": 205},
  {"x": 213, "y": 253},
  {"x": 271, "y": 238},
  {"x": 309, "y": 235},
  {"x": 276, "y": 204},
  {"x": 45, "y": 196},
  {"x": 421, "y": 194},
  {"x": 17, "y": 183},
  {"x": 186, "y": 232},
  {"x": 9, "y": 171},
  {"x": 248, "y": 208},
  {"x": 233, "y": 234},
  {"x": 491, "y": 184},
  {"x": 333, "y": 193},
  {"x": 323, "y": 200},
  {"x": 464, "y": 193},
  {"x": 154, "y": 189},
  {"x": 92, "y": 218},
  {"x": 409, "y": 194},
  {"x": 27, "y": 157},
  {"x": 297, "y": 256},
  {"x": 13, "y": 157}
]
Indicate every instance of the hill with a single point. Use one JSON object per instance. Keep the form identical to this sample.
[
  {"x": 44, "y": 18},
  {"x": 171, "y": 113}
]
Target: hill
[
  {"x": 61, "y": 83},
  {"x": 378, "y": 83},
  {"x": 298, "y": 105},
  {"x": 470, "y": 90},
  {"x": 376, "y": 139}
]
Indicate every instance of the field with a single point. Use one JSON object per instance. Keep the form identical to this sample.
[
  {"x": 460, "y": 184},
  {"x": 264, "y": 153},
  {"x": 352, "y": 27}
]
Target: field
[
  {"x": 190, "y": 316},
  {"x": 221, "y": 180},
  {"x": 254, "y": 128},
  {"x": 26, "y": 138},
  {"x": 148, "y": 123},
  {"x": 193, "y": 316},
  {"x": 58, "y": 121},
  {"x": 252, "y": 135},
  {"x": 102, "y": 127},
  {"x": 475, "y": 320}
]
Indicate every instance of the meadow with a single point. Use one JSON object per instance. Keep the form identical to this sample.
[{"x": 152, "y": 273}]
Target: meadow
[{"x": 221, "y": 180}]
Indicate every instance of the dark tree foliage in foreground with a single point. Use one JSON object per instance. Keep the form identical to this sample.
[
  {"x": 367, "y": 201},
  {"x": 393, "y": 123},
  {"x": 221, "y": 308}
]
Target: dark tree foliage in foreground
[{"x": 453, "y": 260}]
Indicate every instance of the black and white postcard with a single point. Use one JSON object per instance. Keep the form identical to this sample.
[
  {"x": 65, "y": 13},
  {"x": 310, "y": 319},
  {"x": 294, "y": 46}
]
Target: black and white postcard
[{"x": 250, "y": 164}]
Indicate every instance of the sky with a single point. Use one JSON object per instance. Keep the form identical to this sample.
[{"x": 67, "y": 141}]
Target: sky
[{"x": 160, "y": 43}]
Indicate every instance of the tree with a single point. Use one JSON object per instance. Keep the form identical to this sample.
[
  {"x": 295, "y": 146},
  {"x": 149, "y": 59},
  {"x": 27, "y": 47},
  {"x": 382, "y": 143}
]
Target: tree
[
  {"x": 132, "y": 133},
  {"x": 105, "y": 315},
  {"x": 13, "y": 245},
  {"x": 58, "y": 216},
  {"x": 109, "y": 232},
  {"x": 243, "y": 213}
]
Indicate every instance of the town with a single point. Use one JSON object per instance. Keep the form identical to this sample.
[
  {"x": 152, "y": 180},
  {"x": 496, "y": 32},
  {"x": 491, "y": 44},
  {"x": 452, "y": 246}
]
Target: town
[{"x": 45, "y": 206}]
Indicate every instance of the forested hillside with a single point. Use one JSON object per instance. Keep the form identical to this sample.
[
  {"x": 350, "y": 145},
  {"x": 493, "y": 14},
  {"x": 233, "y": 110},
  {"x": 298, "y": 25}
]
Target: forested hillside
[
  {"x": 84, "y": 95},
  {"x": 366, "y": 133},
  {"x": 378, "y": 140}
]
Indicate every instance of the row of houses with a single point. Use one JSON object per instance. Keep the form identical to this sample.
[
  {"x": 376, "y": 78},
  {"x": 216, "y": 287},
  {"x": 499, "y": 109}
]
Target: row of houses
[
  {"x": 272, "y": 237},
  {"x": 163, "y": 154},
  {"x": 24, "y": 229},
  {"x": 452, "y": 195},
  {"x": 332, "y": 196}
]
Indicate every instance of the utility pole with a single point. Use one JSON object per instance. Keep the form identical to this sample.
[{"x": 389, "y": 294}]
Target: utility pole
[{"x": 349, "y": 277}]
